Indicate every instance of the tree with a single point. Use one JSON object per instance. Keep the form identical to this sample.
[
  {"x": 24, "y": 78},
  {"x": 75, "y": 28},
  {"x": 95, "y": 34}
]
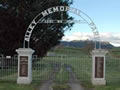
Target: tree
[{"x": 15, "y": 17}]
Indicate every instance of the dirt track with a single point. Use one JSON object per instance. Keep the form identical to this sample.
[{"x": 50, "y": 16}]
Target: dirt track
[{"x": 73, "y": 82}]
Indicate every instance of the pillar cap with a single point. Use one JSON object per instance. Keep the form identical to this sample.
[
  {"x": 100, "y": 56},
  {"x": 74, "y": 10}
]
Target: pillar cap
[
  {"x": 99, "y": 52},
  {"x": 25, "y": 51}
]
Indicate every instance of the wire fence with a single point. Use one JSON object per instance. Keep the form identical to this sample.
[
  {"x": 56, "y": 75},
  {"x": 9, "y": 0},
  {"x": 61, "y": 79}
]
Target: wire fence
[
  {"x": 55, "y": 67},
  {"x": 112, "y": 70},
  {"x": 60, "y": 68},
  {"x": 8, "y": 69}
]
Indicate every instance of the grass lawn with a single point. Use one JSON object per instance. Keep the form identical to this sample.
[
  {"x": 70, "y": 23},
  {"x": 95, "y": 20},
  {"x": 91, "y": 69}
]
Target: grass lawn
[
  {"x": 8, "y": 73},
  {"x": 81, "y": 66},
  {"x": 41, "y": 70},
  {"x": 107, "y": 87},
  {"x": 61, "y": 87},
  {"x": 80, "y": 63},
  {"x": 62, "y": 76},
  {"x": 14, "y": 86},
  {"x": 89, "y": 86}
]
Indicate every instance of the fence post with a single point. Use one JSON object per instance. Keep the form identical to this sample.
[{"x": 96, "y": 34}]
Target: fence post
[
  {"x": 24, "y": 65},
  {"x": 98, "y": 67}
]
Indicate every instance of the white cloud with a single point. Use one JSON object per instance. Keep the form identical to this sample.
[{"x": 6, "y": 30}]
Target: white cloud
[
  {"x": 113, "y": 38},
  {"x": 78, "y": 36}
]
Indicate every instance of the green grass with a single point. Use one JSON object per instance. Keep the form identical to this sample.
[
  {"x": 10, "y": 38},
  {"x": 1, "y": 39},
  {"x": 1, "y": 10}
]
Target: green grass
[
  {"x": 8, "y": 74},
  {"x": 82, "y": 67},
  {"x": 62, "y": 76},
  {"x": 41, "y": 70},
  {"x": 69, "y": 51},
  {"x": 79, "y": 61},
  {"x": 115, "y": 52},
  {"x": 61, "y": 87},
  {"x": 5, "y": 72},
  {"x": 112, "y": 70},
  {"x": 107, "y": 87},
  {"x": 14, "y": 86},
  {"x": 81, "y": 64},
  {"x": 89, "y": 86}
]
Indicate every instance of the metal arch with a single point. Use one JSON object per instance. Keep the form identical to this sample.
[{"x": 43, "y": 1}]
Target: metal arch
[
  {"x": 40, "y": 16},
  {"x": 93, "y": 27}
]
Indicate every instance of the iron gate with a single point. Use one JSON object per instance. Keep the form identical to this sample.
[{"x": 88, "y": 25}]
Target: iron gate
[{"x": 60, "y": 68}]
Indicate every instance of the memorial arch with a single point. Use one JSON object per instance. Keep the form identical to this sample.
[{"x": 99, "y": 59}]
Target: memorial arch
[
  {"x": 91, "y": 68},
  {"x": 39, "y": 19}
]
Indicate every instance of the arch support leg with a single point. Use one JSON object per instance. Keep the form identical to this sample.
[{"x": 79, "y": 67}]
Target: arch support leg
[
  {"x": 24, "y": 65},
  {"x": 98, "y": 67}
]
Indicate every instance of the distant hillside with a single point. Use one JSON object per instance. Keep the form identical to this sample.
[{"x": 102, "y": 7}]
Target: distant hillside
[{"x": 82, "y": 44}]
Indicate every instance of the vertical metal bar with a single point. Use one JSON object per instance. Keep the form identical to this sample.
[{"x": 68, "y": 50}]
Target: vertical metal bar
[
  {"x": 14, "y": 66},
  {"x": 84, "y": 70},
  {"x": 37, "y": 66},
  {"x": 11, "y": 70},
  {"x": 3, "y": 61},
  {"x": 46, "y": 67},
  {"x": 5, "y": 68},
  {"x": 2, "y": 67},
  {"x": 100, "y": 45},
  {"x": 81, "y": 67},
  {"x": 6, "y": 65},
  {"x": 95, "y": 45}
]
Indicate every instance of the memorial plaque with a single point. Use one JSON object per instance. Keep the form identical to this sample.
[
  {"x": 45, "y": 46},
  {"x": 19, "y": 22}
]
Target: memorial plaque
[
  {"x": 24, "y": 66},
  {"x": 99, "y": 67}
]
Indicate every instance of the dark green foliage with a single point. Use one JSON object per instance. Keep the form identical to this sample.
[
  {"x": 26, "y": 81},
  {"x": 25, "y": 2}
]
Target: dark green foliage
[{"x": 15, "y": 17}]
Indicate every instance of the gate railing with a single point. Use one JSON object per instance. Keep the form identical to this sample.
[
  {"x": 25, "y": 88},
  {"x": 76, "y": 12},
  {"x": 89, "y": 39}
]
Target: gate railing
[
  {"x": 8, "y": 68},
  {"x": 58, "y": 68},
  {"x": 112, "y": 70}
]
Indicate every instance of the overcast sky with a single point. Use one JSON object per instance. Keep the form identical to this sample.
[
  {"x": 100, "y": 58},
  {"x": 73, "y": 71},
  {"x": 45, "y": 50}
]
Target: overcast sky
[{"x": 106, "y": 16}]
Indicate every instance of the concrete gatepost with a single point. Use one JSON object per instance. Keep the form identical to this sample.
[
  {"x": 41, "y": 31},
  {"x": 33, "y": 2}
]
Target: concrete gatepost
[
  {"x": 24, "y": 65},
  {"x": 98, "y": 66}
]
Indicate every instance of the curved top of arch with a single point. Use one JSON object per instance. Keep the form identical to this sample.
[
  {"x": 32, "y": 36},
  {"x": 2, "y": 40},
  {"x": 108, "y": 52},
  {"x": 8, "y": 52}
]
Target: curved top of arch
[{"x": 40, "y": 16}]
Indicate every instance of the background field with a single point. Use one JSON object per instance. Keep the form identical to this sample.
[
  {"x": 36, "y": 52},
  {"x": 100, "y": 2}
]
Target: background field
[{"x": 54, "y": 66}]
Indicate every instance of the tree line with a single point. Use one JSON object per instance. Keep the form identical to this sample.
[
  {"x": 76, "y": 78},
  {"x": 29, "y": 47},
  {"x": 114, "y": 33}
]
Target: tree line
[{"x": 15, "y": 17}]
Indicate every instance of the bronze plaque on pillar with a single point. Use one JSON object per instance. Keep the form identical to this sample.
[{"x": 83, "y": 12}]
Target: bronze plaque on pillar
[
  {"x": 99, "y": 67},
  {"x": 23, "y": 66}
]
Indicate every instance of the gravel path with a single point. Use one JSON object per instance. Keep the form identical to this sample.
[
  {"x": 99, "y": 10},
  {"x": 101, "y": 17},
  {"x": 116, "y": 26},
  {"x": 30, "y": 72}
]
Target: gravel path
[
  {"x": 45, "y": 86},
  {"x": 73, "y": 82}
]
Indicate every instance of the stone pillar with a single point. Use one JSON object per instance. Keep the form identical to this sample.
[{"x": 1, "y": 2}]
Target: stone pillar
[
  {"x": 24, "y": 65},
  {"x": 98, "y": 67}
]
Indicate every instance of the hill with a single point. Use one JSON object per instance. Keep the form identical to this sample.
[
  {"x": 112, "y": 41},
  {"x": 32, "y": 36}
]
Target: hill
[{"x": 82, "y": 44}]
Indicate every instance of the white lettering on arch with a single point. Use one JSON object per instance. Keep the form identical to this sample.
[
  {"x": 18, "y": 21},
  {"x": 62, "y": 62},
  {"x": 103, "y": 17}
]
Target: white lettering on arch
[
  {"x": 51, "y": 10},
  {"x": 55, "y": 9}
]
